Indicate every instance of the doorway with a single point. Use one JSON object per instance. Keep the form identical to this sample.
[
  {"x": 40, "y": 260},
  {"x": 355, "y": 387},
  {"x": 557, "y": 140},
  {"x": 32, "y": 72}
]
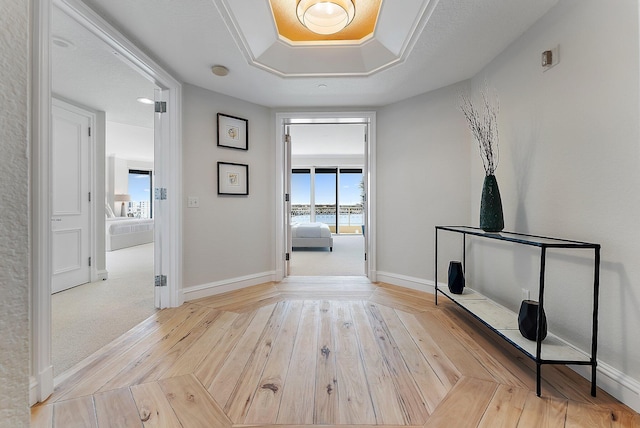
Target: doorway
[
  {"x": 326, "y": 176},
  {"x": 321, "y": 170},
  {"x": 168, "y": 157}
]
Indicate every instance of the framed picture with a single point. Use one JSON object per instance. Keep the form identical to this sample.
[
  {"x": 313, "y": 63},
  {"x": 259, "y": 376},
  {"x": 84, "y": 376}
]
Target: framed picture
[
  {"x": 233, "y": 132},
  {"x": 233, "y": 178}
]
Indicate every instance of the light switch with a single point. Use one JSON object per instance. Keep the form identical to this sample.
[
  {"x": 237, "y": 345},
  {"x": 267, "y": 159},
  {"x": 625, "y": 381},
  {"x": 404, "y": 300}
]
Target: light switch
[{"x": 193, "y": 202}]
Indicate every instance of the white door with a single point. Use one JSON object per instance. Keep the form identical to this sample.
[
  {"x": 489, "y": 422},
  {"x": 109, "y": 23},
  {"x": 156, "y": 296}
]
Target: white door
[
  {"x": 70, "y": 184},
  {"x": 287, "y": 201},
  {"x": 160, "y": 207}
]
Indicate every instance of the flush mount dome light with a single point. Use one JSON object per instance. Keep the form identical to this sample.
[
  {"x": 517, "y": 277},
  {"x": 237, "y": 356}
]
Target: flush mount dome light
[{"x": 325, "y": 17}]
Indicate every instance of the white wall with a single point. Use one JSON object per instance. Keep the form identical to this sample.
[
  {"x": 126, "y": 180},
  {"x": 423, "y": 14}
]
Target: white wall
[
  {"x": 14, "y": 212},
  {"x": 423, "y": 180},
  {"x": 570, "y": 167},
  {"x": 228, "y": 237}
]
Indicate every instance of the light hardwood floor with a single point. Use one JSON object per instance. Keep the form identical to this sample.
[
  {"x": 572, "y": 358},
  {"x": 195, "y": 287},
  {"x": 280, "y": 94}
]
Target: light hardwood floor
[{"x": 319, "y": 351}]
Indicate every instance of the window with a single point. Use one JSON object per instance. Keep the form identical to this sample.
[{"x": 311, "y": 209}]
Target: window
[
  {"x": 350, "y": 200},
  {"x": 318, "y": 194},
  {"x": 301, "y": 195},
  {"x": 140, "y": 185}
]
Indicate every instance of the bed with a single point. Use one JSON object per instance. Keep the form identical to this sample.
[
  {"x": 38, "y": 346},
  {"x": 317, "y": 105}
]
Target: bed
[
  {"x": 123, "y": 232},
  {"x": 316, "y": 235}
]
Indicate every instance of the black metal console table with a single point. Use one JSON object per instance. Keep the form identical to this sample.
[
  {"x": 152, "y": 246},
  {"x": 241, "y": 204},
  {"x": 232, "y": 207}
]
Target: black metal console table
[{"x": 504, "y": 322}]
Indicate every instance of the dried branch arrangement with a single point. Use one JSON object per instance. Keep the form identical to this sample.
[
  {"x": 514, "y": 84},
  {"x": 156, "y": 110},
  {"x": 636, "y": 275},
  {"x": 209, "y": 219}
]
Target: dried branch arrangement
[{"x": 483, "y": 123}]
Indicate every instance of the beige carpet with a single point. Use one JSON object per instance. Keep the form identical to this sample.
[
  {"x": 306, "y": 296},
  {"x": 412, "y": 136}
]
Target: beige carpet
[
  {"x": 346, "y": 259},
  {"x": 87, "y": 317}
]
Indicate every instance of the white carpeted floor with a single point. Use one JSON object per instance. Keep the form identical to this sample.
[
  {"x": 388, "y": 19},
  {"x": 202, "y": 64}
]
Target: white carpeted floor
[
  {"x": 346, "y": 259},
  {"x": 87, "y": 317}
]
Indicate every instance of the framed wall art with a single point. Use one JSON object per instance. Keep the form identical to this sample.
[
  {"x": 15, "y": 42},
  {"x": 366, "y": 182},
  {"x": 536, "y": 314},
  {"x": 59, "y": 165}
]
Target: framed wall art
[
  {"x": 233, "y": 132},
  {"x": 233, "y": 178}
]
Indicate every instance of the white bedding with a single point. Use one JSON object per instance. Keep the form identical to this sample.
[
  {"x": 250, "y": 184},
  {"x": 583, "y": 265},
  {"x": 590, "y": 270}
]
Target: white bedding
[
  {"x": 123, "y": 232},
  {"x": 310, "y": 230},
  {"x": 311, "y": 235},
  {"x": 122, "y": 225}
]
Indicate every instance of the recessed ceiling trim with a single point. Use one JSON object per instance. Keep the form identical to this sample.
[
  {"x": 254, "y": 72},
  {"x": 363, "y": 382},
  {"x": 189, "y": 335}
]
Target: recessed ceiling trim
[{"x": 252, "y": 26}]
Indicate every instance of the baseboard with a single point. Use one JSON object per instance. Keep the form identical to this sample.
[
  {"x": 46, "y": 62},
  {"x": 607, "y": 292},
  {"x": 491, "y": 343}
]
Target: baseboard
[
  {"x": 614, "y": 382},
  {"x": 219, "y": 287},
  {"x": 40, "y": 388},
  {"x": 405, "y": 281}
]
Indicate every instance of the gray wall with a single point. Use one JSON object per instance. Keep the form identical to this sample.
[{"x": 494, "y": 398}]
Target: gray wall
[
  {"x": 14, "y": 212},
  {"x": 228, "y": 236},
  {"x": 570, "y": 167},
  {"x": 423, "y": 180}
]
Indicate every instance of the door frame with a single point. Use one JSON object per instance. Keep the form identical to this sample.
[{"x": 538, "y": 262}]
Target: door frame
[
  {"x": 283, "y": 119},
  {"x": 41, "y": 382}
]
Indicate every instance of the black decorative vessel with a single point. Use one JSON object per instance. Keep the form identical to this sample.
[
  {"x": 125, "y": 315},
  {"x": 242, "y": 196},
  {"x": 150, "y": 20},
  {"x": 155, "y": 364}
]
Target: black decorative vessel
[
  {"x": 456, "y": 277},
  {"x": 528, "y": 320},
  {"x": 491, "y": 217}
]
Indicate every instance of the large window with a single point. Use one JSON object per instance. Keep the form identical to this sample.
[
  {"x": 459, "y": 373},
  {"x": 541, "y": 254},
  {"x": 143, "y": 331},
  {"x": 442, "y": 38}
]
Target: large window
[
  {"x": 140, "y": 185},
  {"x": 301, "y": 195},
  {"x": 325, "y": 196},
  {"x": 319, "y": 194},
  {"x": 350, "y": 200}
]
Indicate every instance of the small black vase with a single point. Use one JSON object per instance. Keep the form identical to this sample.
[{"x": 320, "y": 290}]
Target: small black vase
[
  {"x": 491, "y": 217},
  {"x": 456, "y": 278},
  {"x": 528, "y": 320}
]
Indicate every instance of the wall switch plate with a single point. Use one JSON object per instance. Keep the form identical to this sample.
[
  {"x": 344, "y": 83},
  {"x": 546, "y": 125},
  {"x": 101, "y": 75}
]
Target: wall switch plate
[
  {"x": 193, "y": 202},
  {"x": 525, "y": 294}
]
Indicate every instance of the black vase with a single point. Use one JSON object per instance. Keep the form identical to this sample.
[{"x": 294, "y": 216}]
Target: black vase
[
  {"x": 491, "y": 218},
  {"x": 456, "y": 278},
  {"x": 528, "y": 320}
]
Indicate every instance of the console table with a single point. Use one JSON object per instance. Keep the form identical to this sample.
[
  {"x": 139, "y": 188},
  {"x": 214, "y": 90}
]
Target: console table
[{"x": 504, "y": 322}]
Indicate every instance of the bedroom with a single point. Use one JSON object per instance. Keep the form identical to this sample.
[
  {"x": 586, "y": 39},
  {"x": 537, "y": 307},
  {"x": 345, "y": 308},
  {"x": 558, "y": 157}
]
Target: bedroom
[
  {"x": 116, "y": 291},
  {"x": 327, "y": 170}
]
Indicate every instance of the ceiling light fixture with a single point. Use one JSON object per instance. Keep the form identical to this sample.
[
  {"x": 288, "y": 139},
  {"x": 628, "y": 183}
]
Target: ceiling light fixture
[
  {"x": 325, "y": 17},
  {"x": 220, "y": 70}
]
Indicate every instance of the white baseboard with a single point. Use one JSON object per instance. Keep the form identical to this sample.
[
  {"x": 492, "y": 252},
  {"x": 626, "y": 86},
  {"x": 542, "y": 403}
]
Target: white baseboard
[
  {"x": 405, "y": 281},
  {"x": 219, "y": 287},
  {"x": 40, "y": 388},
  {"x": 614, "y": 382}
]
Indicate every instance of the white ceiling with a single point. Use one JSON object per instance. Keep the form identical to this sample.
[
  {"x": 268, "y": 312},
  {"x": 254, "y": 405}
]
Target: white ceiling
[{"x": 187, "y": 37}]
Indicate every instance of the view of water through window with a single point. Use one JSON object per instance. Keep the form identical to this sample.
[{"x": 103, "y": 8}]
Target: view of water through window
[{"x": 326, "y": 196}]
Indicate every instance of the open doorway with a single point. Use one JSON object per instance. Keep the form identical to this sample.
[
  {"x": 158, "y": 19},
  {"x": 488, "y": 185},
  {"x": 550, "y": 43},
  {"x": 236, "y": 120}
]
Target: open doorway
[
  {"x": 324, "y": 164},
  {"x": 327, "y": 198},
  {"x": 116, "y": 182}
]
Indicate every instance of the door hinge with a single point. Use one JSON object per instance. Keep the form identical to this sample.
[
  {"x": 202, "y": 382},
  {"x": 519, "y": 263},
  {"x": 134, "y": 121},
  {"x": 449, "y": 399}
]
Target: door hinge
[
  {"x": 89, "y": 196},
  {"x": 287, "y": 138},
  {"x": 286, "y": 197},
  {"x": 161, "y": 106},
  {"x": 286, "y": 256},
  {"x": 365, "y": 257},
  {"x": 161, "y": 281},
  {"x": 89, "y": 131},
  {"x": 89, "y": 261},
  {"x": 161, "y": 193}
]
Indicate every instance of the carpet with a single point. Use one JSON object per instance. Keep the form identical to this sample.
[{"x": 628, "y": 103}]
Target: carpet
[
  {"x": 87, "y": 317},
  {"x": 346, "y": 259}
]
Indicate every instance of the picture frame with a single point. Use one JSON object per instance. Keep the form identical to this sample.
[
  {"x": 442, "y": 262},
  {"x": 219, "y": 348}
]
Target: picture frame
[
  {"x": 233, "y": 179},
  {"x": 233, "y": 132}
]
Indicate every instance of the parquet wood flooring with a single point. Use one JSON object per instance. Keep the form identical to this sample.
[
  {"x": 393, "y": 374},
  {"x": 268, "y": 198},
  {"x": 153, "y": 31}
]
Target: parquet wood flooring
[{"x": 336, "y": 352}]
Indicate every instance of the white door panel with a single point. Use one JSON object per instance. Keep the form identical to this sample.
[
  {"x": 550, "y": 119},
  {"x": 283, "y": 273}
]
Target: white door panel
[{"x": 70, "y": 181}]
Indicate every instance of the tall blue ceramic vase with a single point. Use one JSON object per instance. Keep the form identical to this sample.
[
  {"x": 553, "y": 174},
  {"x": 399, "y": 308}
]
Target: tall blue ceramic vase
[{"x": 491, "y": 218}]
